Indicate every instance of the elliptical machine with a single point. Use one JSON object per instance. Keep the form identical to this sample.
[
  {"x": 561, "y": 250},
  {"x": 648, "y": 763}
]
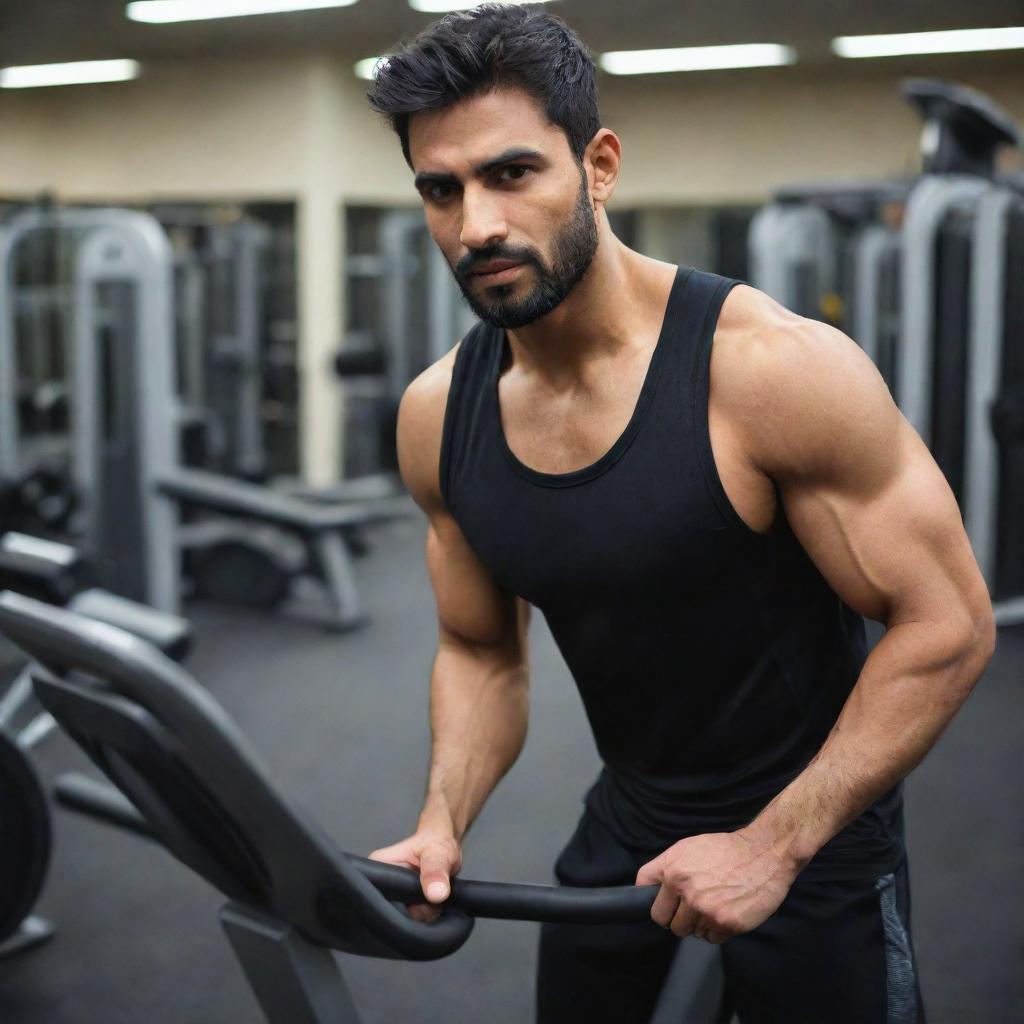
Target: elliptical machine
[{"x": 187, "y": 777}]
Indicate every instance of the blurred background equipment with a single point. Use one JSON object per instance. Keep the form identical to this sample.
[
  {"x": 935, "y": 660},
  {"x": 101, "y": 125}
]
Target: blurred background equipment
[{"x": 243, "y": 541}]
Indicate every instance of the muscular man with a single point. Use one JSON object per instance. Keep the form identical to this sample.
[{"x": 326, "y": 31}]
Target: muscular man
[{"x": 703, "y": 494}]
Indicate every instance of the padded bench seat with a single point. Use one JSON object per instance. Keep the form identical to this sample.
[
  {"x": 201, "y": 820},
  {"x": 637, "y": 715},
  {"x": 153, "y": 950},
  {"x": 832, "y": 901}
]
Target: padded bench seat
[{"x": 236, "y": 497}]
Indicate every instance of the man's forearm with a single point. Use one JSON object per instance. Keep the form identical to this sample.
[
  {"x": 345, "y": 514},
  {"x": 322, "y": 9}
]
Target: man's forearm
[
  {"x": 911, "y": 686},
  {"x": 479, "y": 708}
]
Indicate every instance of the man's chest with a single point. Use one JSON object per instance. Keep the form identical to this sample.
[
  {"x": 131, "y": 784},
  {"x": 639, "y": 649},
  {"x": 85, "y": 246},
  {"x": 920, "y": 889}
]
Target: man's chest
[{"x": 562, "y": 429}]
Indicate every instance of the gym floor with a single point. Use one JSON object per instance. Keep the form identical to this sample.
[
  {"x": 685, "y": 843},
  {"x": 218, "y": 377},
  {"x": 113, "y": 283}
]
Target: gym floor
[{"x": 341, "y": 721}]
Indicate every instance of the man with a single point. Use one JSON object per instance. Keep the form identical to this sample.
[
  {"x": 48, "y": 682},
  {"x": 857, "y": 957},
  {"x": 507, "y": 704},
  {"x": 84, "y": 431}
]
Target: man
[{"x": 703, "y": 493}]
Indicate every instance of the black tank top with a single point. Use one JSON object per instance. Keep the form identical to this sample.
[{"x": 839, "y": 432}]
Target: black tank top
[{"x": 712, "y": 660}]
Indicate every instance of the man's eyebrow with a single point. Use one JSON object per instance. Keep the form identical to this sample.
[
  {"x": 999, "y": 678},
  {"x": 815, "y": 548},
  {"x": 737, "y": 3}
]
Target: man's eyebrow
[
  {"x": 508, "y": 157},
  {"x": 425, "y": 178}
]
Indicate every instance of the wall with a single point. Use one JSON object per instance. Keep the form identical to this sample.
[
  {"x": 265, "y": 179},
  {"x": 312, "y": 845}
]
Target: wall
[{"x": 714, "y": 139}]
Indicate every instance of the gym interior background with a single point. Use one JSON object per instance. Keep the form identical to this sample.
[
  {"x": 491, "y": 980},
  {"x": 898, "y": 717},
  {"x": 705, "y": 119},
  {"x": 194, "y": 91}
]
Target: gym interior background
[{"x": 306, "y": 294}]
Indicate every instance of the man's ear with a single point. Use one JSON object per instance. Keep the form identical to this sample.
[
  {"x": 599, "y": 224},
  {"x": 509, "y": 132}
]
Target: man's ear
[{"x": 602, "y": 157}]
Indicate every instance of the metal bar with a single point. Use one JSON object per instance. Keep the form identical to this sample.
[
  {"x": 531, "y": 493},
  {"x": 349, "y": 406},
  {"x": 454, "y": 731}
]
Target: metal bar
[
  {"x": 18, "y": 696},
  {"x": 133, "y": 248},
  {"x": 1010, "y": 613},
  {"x": 928, "y": 206},
  {"x": 694, "y": 990},
  {"x": 294, "y": 981},
  {"x": 250, "y": 244},
  {"x": 869, "y": 249},
  {"x": 988, "y": 276},
  {"x": 340, "y": 579},
  {"x": 37, "y": 730},
  {"x": 9, "y": 461}
]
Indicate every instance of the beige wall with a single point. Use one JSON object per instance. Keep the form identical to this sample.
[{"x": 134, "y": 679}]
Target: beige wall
[
  {"x": 180, "y": 130},
  {"x": 693, "y": 139},
  {"x": 298, "y": 128}
]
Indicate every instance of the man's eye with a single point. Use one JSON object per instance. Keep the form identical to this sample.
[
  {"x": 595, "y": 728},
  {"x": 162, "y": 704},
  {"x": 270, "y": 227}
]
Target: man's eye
[
  {"x": 439, "y": 192},
  {"x": 514, "y": 173}
]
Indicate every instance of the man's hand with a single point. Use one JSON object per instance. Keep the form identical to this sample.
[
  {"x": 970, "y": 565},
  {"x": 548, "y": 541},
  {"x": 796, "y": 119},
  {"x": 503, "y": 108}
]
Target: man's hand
[
  {"x": 437, "y": 856},
  {"x": 718, "y": 885}
]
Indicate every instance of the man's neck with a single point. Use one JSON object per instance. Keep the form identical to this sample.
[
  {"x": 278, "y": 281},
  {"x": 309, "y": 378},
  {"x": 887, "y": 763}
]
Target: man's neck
[{"x": 619, "y": 305}]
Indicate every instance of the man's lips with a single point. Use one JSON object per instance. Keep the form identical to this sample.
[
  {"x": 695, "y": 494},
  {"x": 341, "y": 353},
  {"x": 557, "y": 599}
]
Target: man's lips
[
  {"x": 494, "y": 267},
  {"x": 497, "y": 273}
]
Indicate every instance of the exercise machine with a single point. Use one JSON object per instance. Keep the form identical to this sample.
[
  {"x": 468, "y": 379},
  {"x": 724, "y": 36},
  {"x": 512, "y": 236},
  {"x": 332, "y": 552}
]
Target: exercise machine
[
  {"x": 55, "y": 573},
  {"x": 186, "y": 776},
  {"x": 405, "y": 311},
  {"x": 994, "y": 414},
  {"x": 959, "y": 344},
  {"x": 793, "y": 255},
  {"x": 242, "y": 541},
  {"x": 963, "y": 131},
  {"x": 874, "y": 321},
  {"x": 218, "y": 322}
]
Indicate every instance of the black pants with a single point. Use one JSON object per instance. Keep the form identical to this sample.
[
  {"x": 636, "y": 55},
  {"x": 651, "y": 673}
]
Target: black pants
[{"x": 833, "y": 953}]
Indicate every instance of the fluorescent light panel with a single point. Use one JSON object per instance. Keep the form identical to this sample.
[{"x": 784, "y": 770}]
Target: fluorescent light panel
[
  {"x": 959, "y": 41},
  {"x": 162, "y": 12},
  {"x": 364, "y": 68},
  {"x": 79, "y": 72},
  {"x": 444, "y": 6},
  {"x": 696, "y": 58}
]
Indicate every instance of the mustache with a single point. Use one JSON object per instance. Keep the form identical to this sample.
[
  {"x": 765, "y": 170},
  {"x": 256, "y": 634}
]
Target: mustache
[{"x": 493, "y": 252}]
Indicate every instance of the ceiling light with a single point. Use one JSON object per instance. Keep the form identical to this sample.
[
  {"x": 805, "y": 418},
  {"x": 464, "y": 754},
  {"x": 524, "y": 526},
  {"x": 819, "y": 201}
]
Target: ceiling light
[
  {"x": 77, "y": 72},
  {"x": 696, "y": 58},
  {"x": 443, "y": 6},
  {"x": 160, "y": 12},
  {"x": 364, "y": 68},
  {"x": 958, "y": 41}
]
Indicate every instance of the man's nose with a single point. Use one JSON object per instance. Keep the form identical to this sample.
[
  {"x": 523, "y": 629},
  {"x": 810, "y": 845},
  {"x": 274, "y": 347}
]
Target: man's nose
[{"x": 483, "y": 223}]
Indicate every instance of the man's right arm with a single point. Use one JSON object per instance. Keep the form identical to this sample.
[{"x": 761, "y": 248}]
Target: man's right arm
[{"x": 479, "y": 687}]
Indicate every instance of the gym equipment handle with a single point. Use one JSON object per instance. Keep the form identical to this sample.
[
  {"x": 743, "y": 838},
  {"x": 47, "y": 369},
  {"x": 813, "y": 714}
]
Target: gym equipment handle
[{"x": 511, "y": 901}]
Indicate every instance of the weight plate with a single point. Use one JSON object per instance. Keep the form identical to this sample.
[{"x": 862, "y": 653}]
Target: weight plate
[
  {"x": 240, "y": 573},
  {"x": 26, "y": 836}
]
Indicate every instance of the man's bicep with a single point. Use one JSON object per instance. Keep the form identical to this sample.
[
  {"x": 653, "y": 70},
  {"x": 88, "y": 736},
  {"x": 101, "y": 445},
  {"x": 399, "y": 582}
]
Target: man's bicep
[
  {"x": 889, "y": 541},
  {"x": 472, "y": 608}
]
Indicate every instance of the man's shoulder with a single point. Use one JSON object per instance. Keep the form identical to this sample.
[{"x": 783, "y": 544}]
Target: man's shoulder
[
  {"x": 784, "y": 380},
  {"x": 430, "y": 388},
  {"x": 755, "y": 331},
  {"x": 420, "y": 427},
  {"x": 760, "y": 346}
]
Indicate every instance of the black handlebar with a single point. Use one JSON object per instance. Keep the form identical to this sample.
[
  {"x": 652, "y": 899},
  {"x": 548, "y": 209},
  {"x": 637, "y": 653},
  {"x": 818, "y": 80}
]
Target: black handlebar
[{"x": 516, "y": 901}]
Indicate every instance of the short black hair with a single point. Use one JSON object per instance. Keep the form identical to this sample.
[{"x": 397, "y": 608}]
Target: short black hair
[{"x": 472, "y": 52}]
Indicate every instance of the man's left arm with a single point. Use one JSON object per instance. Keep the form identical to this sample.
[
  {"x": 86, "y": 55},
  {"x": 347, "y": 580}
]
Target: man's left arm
[{"x": 866, "y": 500}]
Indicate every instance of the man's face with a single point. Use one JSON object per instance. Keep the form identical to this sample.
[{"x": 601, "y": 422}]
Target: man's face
[{"x": 506, "y": 202}]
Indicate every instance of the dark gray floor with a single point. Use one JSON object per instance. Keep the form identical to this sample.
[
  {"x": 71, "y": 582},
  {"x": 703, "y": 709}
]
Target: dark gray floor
[{"x": 342, "y": 722}]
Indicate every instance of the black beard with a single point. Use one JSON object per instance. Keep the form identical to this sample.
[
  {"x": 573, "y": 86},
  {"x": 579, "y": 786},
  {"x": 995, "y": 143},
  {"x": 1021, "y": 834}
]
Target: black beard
[{"x": 571, "y": 255}]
